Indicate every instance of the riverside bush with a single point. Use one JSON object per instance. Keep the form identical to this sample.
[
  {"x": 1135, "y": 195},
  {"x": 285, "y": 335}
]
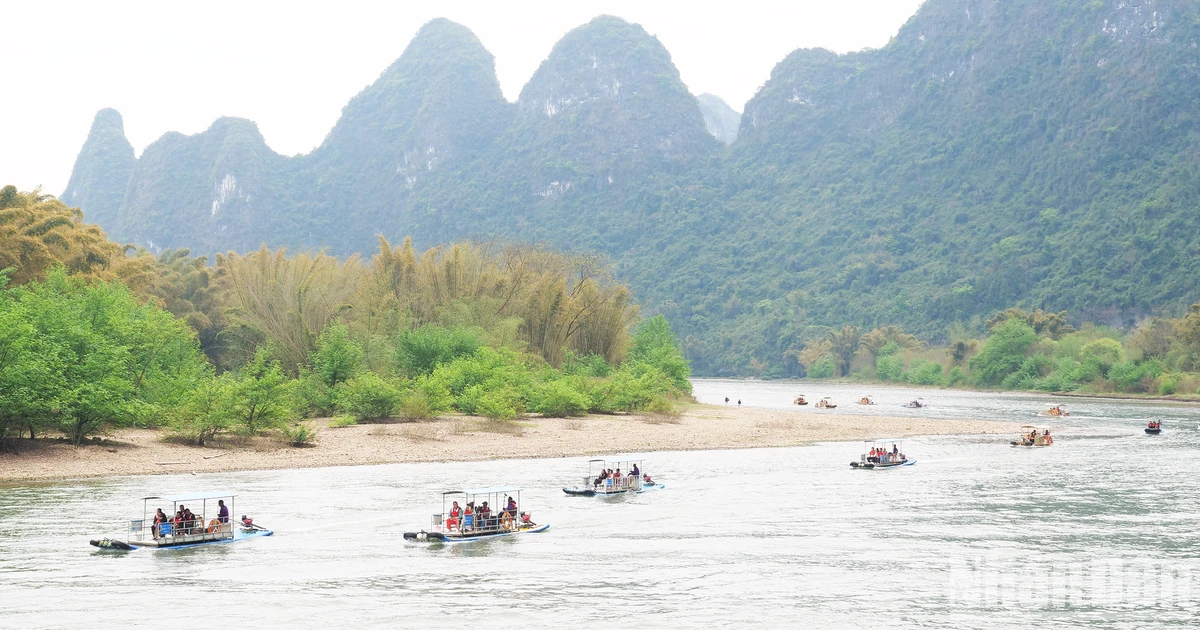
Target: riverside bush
[
  {"x": 559, "y": 399},
  {"x": 368, "y": 397}
]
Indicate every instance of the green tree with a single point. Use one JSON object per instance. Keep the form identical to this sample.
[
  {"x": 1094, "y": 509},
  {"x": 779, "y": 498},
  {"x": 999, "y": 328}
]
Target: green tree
[
  {"x": 262, "y": 395},
  {"x": 337, "y": 357},
  {"x": 208, "y": 411},
  {"x": 1003, "y": 353},
  {"x": 654, "y": 343}
]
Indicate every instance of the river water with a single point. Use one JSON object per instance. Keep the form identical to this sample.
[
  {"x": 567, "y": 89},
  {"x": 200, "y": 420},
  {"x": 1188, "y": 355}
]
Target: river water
[{"x": 1099, "y": 530}]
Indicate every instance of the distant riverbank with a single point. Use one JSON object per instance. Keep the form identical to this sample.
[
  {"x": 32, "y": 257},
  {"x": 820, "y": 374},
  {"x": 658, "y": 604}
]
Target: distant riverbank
[{"x": 700, "y": 427}]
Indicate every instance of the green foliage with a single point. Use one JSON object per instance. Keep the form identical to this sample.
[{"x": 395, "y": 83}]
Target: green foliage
[
  {"x": 84, "y": 357},
  {"x": 368, "y": 396},
  {"x": 925, "y": 373},
  {"x": 559, "y": 398},
  {"x": 302, "y": 433},
  {"x": 336, "y": 358},
  {"x": 655, "y": 344},
  {"x": 339, "y": 422},
  {"x": 1004, "y": 352},
  {"x": 822, "y": 368},
  {"x": 888, "y": 367},
  {"x": 263, "y": 395},
  {"x": 208, "y": 411},
  {"x": 420, "y": 351}
]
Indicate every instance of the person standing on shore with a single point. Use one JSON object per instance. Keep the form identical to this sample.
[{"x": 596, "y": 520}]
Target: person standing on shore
[
  {"x": 739, "y": 403},
  {"x": 726, "y": 401}
]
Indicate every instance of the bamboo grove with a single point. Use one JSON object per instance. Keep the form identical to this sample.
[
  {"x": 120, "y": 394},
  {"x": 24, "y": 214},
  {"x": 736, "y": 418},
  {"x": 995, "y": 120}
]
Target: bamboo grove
[{"x": 256, "y": 342}]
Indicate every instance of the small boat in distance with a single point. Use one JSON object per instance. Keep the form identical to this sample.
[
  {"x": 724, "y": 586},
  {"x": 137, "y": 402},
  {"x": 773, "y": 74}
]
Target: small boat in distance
[
  {"x": 1034, "y": 436},
  {"x": 826, "y": 403},
  {"x": 183, "y": 527},
  {"x": 1056, "y": 411},
  {"x": 914, "y": 404},
  {"x": 1154, "y": 427},
  {"x": 866, "y": 400},
  {"x": 800, "y": 400},
  {"x": 600, "y": 483},
  {"x": 475, "y": 519},
  {"x": 882, "y": 453}
]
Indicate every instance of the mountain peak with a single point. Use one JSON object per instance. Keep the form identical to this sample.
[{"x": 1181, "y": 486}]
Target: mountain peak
[
  {"x": 612, "y": 86},
  {"x": 102, "y": 169}
]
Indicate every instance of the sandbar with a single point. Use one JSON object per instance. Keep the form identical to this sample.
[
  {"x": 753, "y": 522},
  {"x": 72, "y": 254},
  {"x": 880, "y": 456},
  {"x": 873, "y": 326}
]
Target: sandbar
[{"x": 457, "y": 438}]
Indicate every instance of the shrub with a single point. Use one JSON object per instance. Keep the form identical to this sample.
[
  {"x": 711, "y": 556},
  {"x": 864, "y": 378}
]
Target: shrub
[
  {"x": 926, "y": 373},
  {"x": 299, "y": 434},
  {"x": 500, "y": 404},
  {"x": 337, "y": 357},
  {"x": 416, "y": 405},
  {"x": 654, "y": 343},
  {"x": 956, "y": 376},
  {"x": 587, "y": 365},
  {"x": 1004, "y": 354},
  {"x": 208, "y": 411},
  {"x": 821, "y": 368},
  {"x": 559, "y": 399},
  {"x": 368, "y": 397},
  {"x": 1167, "y": 386},
  {"x": 422, "y": 350},
  {"x": 1132, "y": 377},
  {"x": 263, "y": 395},
  {"x": 312, "y": 394},
  {"x": 889, "y": 367},
  {"x": 1027, "y": 375},
  {"x": 342, "y": 422}
]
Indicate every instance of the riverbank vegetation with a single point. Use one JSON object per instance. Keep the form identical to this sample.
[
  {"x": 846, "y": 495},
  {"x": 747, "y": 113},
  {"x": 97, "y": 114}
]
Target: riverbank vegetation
[
  {"x": 95, "y": 336},
  {"x": 1035, "y": 351}
]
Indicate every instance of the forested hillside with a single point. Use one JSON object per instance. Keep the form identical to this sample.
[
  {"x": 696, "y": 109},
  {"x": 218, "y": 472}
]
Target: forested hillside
[{"x": 994, "y": 153}]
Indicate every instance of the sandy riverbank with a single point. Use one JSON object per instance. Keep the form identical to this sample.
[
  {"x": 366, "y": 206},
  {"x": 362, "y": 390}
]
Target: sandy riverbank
[{"x": 701, "y": 427}]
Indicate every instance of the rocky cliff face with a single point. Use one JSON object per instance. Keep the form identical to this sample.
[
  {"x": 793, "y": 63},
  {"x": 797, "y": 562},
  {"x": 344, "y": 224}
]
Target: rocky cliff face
[
  {"x": 719, "y": 118},
  {"x": 102, "y": 169},
  {"x": 213, "y": 191}
]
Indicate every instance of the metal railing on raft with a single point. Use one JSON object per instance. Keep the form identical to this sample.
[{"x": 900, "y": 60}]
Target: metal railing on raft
[
  {"x": 182, "y": 531},
  {"x": 493, "y": 523}
]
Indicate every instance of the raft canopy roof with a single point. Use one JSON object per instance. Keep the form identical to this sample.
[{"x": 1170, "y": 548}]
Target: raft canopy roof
[
  {"x": 492, "y": 490},
  {"x": 194, "y": 496}
]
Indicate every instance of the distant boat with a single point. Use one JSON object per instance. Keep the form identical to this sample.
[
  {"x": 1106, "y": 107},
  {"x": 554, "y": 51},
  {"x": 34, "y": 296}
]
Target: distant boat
[
  {"x": 1055, "y": 411},
  {"x": 1154, "y": 427},
  {"x": 800, "y": 400},
  {"x": 475, "y": 519},
  {"x": 882, "y": 453},
  {"x": 1034, "y": 436},
  {"x": 914, "y": 404},
  {"x": 826, "y": 403},
  {"x": 598, "y": 484},
  {"x": 866, "y": 400},
  {"x": 206, "y": 527}
]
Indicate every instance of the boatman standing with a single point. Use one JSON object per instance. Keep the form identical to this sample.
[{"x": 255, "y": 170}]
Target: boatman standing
[{"x": 223, "y": 513}]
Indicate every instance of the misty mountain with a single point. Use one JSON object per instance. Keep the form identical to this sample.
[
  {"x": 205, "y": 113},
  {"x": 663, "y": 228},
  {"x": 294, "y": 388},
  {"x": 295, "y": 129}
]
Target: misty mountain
[{"x": 994, "y": 153}]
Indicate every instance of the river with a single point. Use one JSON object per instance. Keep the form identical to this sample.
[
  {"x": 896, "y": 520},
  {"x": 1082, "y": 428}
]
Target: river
[{"x": 1099, "y": 530}]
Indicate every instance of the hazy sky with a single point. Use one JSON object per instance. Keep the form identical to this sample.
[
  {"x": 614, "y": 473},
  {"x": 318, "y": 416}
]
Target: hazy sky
[{"x": 292, "y": 66}]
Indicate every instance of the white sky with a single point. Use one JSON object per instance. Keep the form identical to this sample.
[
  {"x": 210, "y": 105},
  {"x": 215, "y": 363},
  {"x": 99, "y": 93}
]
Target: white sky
[{"x": 292, "y": 66}]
